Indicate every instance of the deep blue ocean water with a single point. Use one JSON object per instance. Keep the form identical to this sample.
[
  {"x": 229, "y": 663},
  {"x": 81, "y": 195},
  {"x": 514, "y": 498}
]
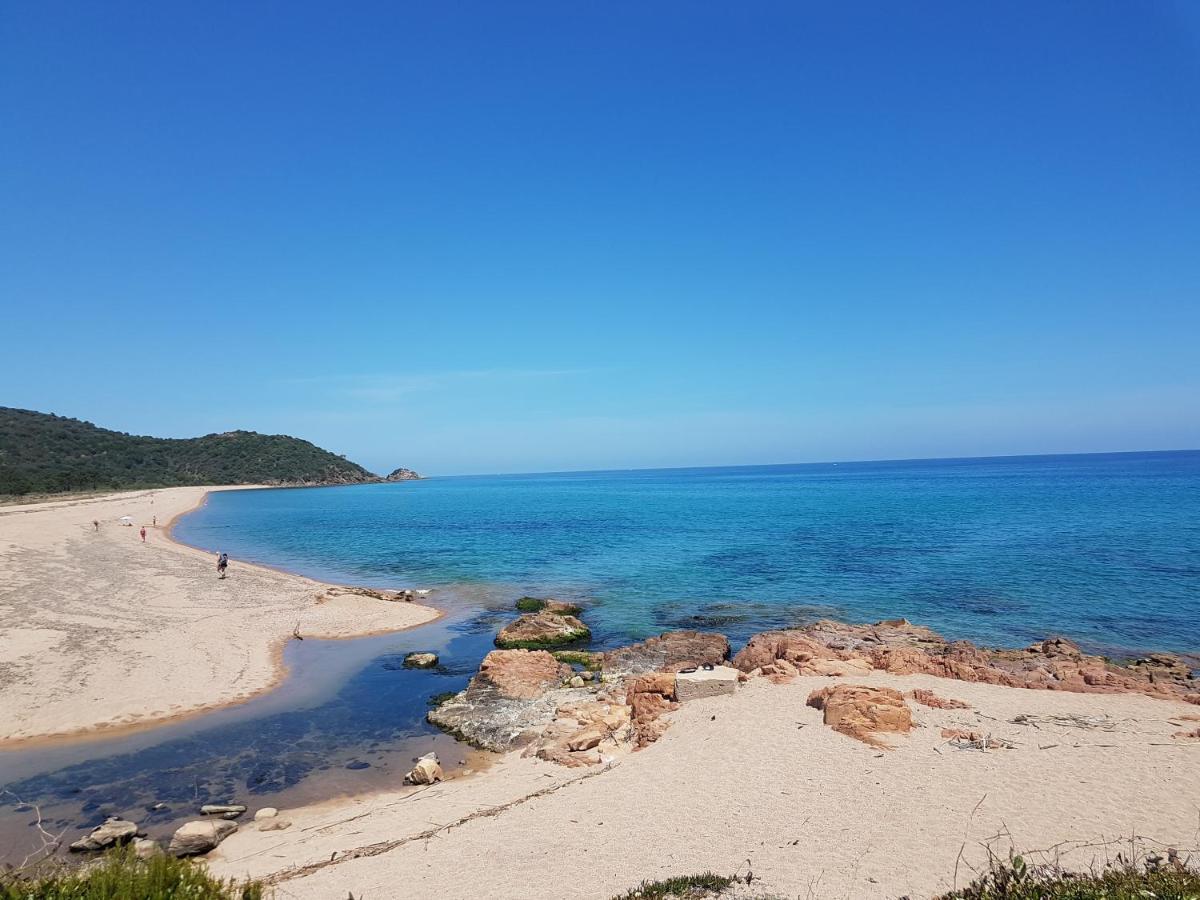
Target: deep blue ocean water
[{"x": 1102, "y": 548}]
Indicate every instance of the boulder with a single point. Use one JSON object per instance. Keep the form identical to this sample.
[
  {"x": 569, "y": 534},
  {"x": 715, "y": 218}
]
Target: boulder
[
  {"x": 513, "y": 696},
  {"x": 669, "y": 652},
  {"x": 543, "y": 629},
  {"x": 114, "y": 831},
  {"x": 522, "y": 674},
  {"x": 144, "y": 848},
  {"x": 863, "y": 712},
  {"x": 427, "y": 771},
  {"x": 275, "y": 824},
  {"x": 585, "y": 739},
  {"x": 705, "y": 683},
  {"x": 267, "y": 812},
  {"x": 196, "y": 838},
  {"x": 421, "y": 660}
]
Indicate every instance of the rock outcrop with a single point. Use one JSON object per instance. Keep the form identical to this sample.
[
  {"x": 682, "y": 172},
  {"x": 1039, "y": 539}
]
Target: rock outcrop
[
  {"x": 506, "y": 702},
  {"x": 402, "y": 474},
  {"x": 862, "y": 712},
  {"x": 196, "y": 838},
  {"x": 543, "y": 629},
  {"x": 899, "y": 647},
  {"x": 113, "y": 832},
  {"x": 668, "y": 652}
]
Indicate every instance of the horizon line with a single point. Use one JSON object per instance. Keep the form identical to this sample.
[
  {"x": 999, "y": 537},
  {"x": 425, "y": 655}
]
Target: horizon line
[{"x": 831, "y": 462}]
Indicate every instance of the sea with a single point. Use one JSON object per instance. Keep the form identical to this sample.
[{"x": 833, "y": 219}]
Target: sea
[{"x": 1103, "y": 549}]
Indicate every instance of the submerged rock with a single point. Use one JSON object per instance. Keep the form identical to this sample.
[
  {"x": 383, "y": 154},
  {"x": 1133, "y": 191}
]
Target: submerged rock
[
  {"x": 196, "y": 838},
  {"x": 420, "y": 660},
  {"x": 225, "y": 811},
  {"x": 543, "y": 629},
  {"x": 113, "y": 832}
]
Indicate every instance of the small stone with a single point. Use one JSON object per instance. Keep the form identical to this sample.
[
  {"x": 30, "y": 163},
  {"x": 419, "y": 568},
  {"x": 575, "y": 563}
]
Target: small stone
[
  {"x": 267, "y": 812},
  {"x": 576, "y": 682},
  {"x": 275, "y": 824},
  {"x": 587, "y": 676},
  {"x": 144, "y": 848},
  {"x": 422, "y": 660}
]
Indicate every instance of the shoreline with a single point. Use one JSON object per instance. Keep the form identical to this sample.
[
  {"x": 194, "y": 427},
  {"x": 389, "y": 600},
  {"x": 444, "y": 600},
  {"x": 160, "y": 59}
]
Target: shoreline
[{"x": 145, "y": 719}]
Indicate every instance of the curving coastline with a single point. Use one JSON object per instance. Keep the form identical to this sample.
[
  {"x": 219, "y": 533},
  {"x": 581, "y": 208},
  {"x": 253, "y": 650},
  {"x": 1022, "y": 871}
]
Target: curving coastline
[{"x": 102, "y": 634}]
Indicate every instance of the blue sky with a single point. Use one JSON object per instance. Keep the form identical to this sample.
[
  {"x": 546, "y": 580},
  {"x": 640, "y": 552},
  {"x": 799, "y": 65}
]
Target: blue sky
[{"x": 530, "y": 236}]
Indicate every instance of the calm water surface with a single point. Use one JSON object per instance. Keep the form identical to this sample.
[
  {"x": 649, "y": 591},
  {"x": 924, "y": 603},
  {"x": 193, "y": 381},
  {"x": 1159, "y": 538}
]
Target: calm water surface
[{"x": 1102, "y": 548}]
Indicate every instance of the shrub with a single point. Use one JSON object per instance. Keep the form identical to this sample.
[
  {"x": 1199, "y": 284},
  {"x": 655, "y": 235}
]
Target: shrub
[
  {"x": 120, "y": 875},
  {"x": 1014, "y": 880},
  {"x": 684, "y": 886}
]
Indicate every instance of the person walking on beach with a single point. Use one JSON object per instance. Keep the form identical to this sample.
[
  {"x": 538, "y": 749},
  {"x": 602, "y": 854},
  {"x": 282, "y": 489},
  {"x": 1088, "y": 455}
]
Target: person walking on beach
[
  {"x": 143, "y": 534},
  {"x": 222, "y": 562},
  {"x": 96, "y": 524}
]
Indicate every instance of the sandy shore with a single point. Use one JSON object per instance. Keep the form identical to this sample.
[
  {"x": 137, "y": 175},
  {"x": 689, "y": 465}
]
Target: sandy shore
[
  {"x": 99, "y": 631},
  {"x": 755, "y": 782}
]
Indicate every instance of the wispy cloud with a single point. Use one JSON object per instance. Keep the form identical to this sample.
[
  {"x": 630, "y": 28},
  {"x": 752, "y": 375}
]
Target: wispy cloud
[{"x": 386, "y": 387}]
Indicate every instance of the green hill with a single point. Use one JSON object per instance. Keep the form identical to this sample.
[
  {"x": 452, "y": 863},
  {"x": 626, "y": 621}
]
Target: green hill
[{"x": 43, "y": 453}]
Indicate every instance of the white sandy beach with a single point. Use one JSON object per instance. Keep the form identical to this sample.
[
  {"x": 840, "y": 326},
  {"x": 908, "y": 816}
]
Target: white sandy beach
[
  {"x": 755, "y": 782},
  {"x": 99, "y": 631}
]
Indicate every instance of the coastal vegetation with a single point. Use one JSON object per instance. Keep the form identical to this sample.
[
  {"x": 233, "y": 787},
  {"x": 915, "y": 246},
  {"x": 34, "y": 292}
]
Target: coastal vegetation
[
  {"x": 120, "y": 875},
  {"x": 1015, "y": 880},
  {"x": 682, "y": 887},
  {"x": 41, "y": 453}
]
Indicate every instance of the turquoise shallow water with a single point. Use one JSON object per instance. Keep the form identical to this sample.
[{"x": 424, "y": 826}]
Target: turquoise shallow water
[{"x": 1102, "y": 548}]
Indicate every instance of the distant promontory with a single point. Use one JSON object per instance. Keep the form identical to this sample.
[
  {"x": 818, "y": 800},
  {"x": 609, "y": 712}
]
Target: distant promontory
[
  {"x": 41, "y": 453},
  {"x": 403, "y": 474}
]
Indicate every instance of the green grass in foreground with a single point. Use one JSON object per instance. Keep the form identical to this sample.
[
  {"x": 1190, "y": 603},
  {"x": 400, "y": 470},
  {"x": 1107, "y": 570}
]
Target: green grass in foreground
[
  {"x": 682, "y": 886},
  {"x": 1015, "y": 881},
  {"x": 119, "y": 875}
]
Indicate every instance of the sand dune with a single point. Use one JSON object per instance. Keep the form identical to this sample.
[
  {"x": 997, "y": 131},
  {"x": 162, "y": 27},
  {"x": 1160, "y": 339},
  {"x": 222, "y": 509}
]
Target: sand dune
[{"x": 100, "y": 631}]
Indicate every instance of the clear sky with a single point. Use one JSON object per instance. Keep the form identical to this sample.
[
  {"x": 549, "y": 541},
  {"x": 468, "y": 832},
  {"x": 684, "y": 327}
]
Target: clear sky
[{"x": 485, "y": 237}]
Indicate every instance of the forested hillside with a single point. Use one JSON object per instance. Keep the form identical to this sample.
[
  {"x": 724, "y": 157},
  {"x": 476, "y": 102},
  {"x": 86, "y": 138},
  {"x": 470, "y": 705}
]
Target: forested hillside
[{"x": 43, "y": 453}]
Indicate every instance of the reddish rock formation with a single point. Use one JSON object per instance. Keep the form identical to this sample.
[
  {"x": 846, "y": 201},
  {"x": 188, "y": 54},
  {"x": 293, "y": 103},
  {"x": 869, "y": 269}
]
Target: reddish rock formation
[
  {"x": 648, "y": 697},
  {"x": 669, "y": 652},
  {"x": 863, "y": 712},
  {"x": 929, "y": 698},
  {"x": 899, "y": 647},
  {"x": 522, "y": 674}
]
